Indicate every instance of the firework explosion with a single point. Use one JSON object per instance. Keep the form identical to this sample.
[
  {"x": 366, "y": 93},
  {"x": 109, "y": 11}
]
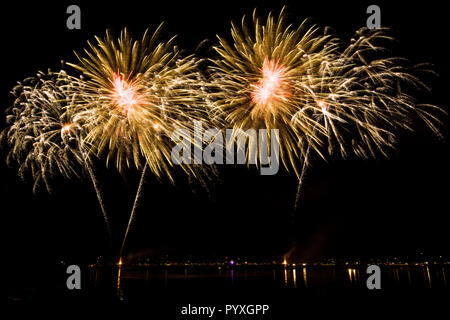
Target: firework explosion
[
  {"x": 44, "y": 137},
  {"x": 321, "y": 94},
  {"x": 137, "y": 93}
]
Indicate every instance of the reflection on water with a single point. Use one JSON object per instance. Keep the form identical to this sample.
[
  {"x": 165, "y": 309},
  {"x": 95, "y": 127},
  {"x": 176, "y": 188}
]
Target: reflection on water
[
  {"x": 305, "y": 277},
  {"x": 294, "y": 276},
  {"x": 444, "y": 277},
  {"x": 119, "y": 289},
  {"x": 353, "y": 275},
  {"x": 285, "y": 277},
  {"x": 130, "y": 279}
]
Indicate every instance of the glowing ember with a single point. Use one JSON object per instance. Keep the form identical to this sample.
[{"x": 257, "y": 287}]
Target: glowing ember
[
  {"x": 66, "y": 127},
  {"x": 271, "y": 86}
]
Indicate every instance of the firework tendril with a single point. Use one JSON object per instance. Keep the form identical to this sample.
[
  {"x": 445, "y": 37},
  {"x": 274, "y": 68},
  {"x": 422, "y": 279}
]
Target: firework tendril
[{"x": 137, "y": 94}]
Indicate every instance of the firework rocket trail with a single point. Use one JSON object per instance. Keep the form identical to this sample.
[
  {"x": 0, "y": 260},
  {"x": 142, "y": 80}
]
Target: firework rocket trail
[
  {"x": 133, "y": 210},
  {"x": 315, "y": 89}
]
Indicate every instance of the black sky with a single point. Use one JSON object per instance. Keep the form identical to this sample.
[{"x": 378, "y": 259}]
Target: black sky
[{"x": 395, "y": 206}]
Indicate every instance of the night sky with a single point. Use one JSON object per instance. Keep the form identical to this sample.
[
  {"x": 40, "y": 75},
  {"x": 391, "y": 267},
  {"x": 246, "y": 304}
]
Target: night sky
[{"x": 351, "y": 208}]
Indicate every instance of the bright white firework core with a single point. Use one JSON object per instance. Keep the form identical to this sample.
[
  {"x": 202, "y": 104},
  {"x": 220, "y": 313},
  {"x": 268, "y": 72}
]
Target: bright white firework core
[
  {"x": 271, "y": 86},
  {"x": 124, "y": 93}
]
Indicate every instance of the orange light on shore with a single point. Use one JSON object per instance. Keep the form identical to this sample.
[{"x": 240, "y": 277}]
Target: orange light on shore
[
  {"x": 271, "y": 86},
  {"x": 120, "y": 262},
  {"x": 285, "y": 262}
]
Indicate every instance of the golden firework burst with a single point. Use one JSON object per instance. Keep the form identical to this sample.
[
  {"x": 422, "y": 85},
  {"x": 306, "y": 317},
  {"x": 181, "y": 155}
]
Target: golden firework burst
[
  {"x": 320, "y": 93},
  {"x": 137, "y": 93},
  {"x": 44, "y": 137},
  {"x": 41, "y": 132},
  {"x": 262, "y": 78}
]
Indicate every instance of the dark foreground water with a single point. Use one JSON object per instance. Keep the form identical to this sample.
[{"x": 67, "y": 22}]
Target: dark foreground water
[
  {"x": 132, "y": 281},
  {"x": 287, "y": 290}
]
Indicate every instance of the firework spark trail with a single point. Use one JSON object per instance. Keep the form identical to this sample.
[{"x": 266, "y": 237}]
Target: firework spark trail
[
  {"x": 96, "y": 186},
  {"x": 300, "y": 181},
  {"x": 133, "y": 210},
  {"x": 100, "y": 200}
]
